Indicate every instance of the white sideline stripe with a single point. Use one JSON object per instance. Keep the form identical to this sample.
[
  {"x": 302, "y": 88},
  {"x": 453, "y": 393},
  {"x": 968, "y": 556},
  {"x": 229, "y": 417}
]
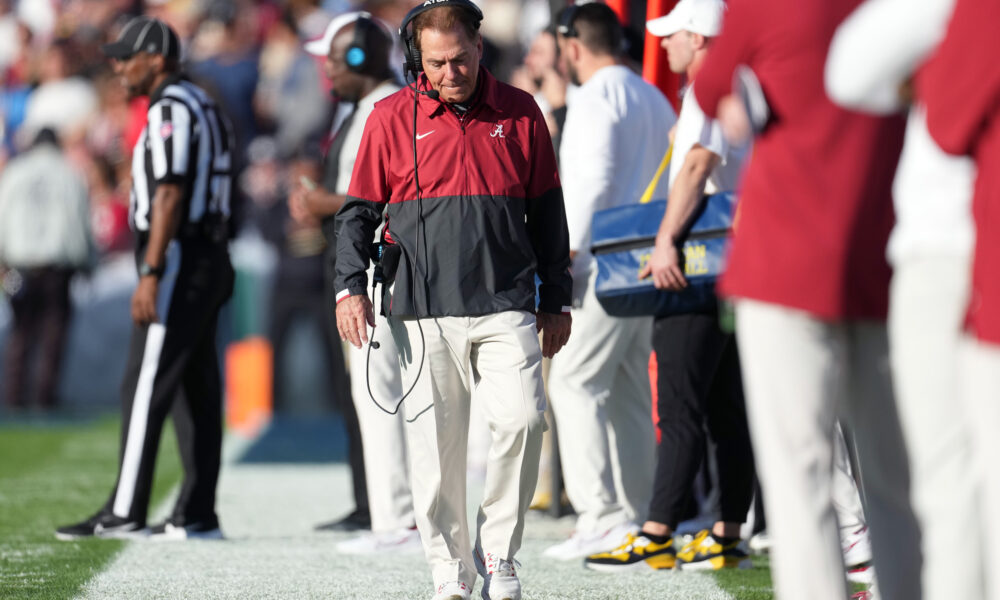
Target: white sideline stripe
[{"x": 139, "y": 419}]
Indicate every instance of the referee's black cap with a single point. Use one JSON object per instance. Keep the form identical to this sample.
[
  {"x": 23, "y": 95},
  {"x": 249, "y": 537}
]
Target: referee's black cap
[{"x": 144, "y": 34}]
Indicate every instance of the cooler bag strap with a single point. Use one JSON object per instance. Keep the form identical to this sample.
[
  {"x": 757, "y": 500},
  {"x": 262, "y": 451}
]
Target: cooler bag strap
[{"x": 648, "y": 194}]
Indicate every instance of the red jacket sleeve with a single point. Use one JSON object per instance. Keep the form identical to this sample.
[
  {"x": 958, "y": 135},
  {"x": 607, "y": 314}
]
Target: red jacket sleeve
[
  {"x": 960, "y": 84},
  {"x": 731, "y": 48}
]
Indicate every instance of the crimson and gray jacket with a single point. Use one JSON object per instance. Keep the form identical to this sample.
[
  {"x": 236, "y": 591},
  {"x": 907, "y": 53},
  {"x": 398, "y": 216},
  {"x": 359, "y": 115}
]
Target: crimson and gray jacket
[{"x": 491, "y": 211}]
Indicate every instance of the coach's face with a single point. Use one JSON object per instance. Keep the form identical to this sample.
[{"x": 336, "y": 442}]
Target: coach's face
[
  {"x": 138, "y": 72},
  {"x": 451, "y": 61}
]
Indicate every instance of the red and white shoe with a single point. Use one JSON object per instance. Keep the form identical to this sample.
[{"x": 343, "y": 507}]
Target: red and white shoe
[
  {"x": 453, "y": 590},
  {"x": 864, "y": 574},
  {"x": 500, "y": 580}
]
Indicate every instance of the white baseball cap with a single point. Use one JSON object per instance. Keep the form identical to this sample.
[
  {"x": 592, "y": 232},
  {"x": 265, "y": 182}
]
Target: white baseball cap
[
  {"x": 321, "y": 46},
  {"x": 697, "y": 16}
]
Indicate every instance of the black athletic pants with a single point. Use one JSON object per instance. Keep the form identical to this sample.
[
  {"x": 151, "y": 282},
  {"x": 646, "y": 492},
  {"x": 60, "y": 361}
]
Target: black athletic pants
[
  {"x": 173, "y": 369},
  {"x": 698, "y": 388},
  {"x": 41, "y": 310}
]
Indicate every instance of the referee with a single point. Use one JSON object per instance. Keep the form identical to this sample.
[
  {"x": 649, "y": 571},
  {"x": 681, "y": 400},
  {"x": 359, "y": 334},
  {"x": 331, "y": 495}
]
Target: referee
[{"x": 179, "y": 210}]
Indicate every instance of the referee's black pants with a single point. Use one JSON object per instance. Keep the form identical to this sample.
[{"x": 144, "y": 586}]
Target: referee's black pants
[
  {"x": 173, "y": 369},
  {"x": 699, "y": 388}
]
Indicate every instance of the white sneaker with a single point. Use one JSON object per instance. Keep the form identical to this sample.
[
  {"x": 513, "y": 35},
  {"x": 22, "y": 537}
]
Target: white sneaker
[
  {"x": 857, "y": 548},
  {"x": 500, "y": 580},
  {"x": 760, "y": 543},
  {"x": 453, "y": 590},
  {"x": 581, "y": 545},
  {"x": 400, "y": 540}
]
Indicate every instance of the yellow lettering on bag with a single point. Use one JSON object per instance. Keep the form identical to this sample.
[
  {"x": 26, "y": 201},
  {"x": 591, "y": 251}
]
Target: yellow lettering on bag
[
  {"x": 643, "y": 260},
  {"x": 695, "y": 262}
]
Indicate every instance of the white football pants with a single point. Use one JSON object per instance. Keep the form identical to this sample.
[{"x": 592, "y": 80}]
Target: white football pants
[
  {"x": 382, "y": 435},
  {"x": 799, "y": 373},
  {"x": 602, "y": 405},
  {"x": 928, "y": 299}
]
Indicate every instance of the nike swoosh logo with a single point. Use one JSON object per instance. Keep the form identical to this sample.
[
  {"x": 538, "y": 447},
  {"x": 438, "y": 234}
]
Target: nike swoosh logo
[{"x": 421, "y": 136}]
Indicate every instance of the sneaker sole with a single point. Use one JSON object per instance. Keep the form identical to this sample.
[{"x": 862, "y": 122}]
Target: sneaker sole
[
  {"x": 716, "y": 563},
  {"x": 138, "y": 534},
  {"x": 622, "y": 568},
  {"x": 183, "y": 536}
]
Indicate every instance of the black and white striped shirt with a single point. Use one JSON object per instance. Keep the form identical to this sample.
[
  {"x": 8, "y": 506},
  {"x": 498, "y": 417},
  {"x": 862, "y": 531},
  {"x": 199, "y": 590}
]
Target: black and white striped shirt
[{"x": 186, "y": 141}]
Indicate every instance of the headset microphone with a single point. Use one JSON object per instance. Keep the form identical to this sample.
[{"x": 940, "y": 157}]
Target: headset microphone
[{"x": 432, "y": 94}]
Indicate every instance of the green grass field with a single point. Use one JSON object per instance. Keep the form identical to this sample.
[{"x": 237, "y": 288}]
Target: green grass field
[
  {"x": 51, "y": 475},
  {"x": 748, "y": 584}
]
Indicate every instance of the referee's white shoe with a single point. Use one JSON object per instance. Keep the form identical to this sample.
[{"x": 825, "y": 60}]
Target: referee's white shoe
[{"x": 168, "y": 532}]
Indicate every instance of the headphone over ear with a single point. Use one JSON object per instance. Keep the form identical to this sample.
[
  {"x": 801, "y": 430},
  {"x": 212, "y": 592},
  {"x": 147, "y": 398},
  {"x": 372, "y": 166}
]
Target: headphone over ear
[
  {"x": 411, "y": 54},
  {"x": 356, "y": 55}
]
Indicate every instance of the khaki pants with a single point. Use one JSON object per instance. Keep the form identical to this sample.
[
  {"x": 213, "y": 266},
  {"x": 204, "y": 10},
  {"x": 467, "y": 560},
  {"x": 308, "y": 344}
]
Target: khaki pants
[
  {"x": 980, "y": 380},
  {"x": 499, "y": 355},
  {"x": 799, "y": 373},
  {"x": 927, "y": 308}
]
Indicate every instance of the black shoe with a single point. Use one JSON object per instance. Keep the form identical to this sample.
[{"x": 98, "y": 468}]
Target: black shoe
[
  {"x": 170, "y": 531},
  {"x": 356, "y": 521},
  {"x": 102, "y": 525}
]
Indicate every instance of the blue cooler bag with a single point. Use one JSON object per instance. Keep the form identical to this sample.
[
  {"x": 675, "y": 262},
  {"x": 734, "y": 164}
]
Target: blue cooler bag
[{"x": 623, "y": 240}]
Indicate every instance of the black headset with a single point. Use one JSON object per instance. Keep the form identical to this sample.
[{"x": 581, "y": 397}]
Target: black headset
[
  {"x": 357, "y": 55},
  {"x": 411, "y": 54}
]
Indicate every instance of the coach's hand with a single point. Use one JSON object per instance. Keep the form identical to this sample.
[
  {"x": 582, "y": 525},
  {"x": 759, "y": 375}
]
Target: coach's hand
[
  {"x": 144, "y": 301},
  {"x": 354, "y": 315},
  {"x": 665, "y": 267},
  {"x": 555, "y": 331}
]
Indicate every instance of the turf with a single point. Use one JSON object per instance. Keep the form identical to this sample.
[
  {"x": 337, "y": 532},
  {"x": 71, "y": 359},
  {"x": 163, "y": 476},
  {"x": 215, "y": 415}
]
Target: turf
[
  {"x": 51, "y": 475},
  {"x": 747, "y": 584}
]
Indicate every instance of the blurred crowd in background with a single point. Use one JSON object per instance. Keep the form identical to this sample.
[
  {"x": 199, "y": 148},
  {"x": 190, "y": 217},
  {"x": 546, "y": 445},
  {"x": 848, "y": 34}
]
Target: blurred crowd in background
[{"x": 249, "y": 55}]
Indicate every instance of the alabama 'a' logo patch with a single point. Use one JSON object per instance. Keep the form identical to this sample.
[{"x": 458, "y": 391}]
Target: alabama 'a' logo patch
[{"x": 166, "y": 130}]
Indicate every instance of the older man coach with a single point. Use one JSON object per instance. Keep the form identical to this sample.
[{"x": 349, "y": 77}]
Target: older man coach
[{"x": 465, "y": 169}]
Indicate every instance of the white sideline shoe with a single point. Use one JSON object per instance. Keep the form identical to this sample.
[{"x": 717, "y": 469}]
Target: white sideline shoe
[
  {"x": 760, "y": 543},
  {"x": 581, "y": 545},
  {"x": 400, "y": 540},
  {"x": 500, "y": 580},
  {"x": 168, "y": 532},
  {"x": 452, "y": 590}
]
